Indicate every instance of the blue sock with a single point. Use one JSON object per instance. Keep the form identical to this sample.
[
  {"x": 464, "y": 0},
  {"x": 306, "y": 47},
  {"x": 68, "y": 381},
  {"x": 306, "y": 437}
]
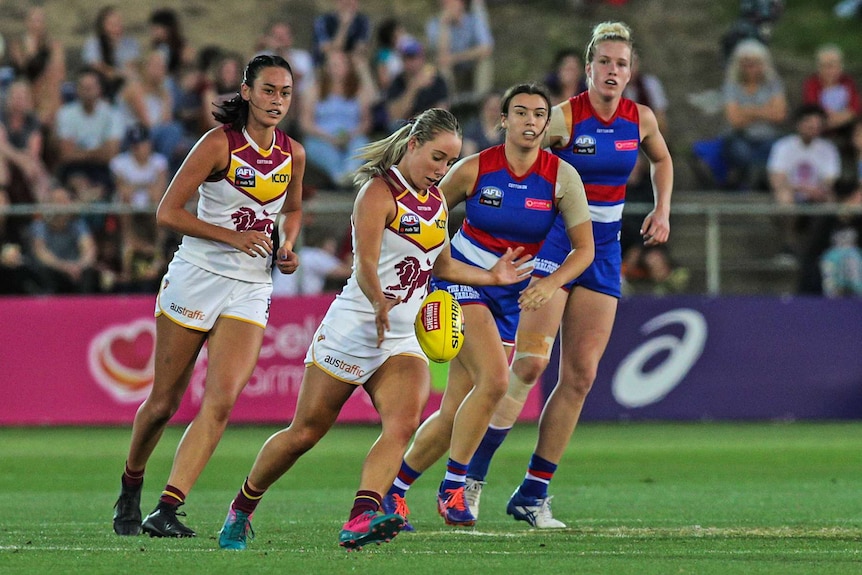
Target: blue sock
[
  {"x": 492, "y": 441},
  {"x": 405, "y": 478},
  {"x": 539, "y": 475},
  {"x": 456, "y": 475}
]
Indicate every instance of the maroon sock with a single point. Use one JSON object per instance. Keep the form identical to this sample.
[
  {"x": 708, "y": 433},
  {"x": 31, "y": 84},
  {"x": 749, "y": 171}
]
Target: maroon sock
[
  {"x": 246, "y": 499},
  {"x": 132, "y": 478},
  {"x": 365, "y": 501},
  {"x": 172, "y": 496}
]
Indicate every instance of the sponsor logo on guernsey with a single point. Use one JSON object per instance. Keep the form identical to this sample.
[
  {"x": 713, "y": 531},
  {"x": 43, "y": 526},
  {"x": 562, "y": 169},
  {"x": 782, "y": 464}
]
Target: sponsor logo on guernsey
[
  {"x": 491, "y": 196},
  {"x": 604, "y": 130},
  {"x": 188, "y": 313},
  {"x": 244, "y": 177},
  {"x": 517, "y": 186},
  {"x": 280, "y": 178},
  {"x": 344, "y": 366},
  {"x": 537, "y": 204},
  {"x": 409, "y": 224},
  {"x": 424, "y": 208},
  {"x": 585, "y": 145},
  {"x": 264, "y": 161},
  {"x": 625, "y": 145}
]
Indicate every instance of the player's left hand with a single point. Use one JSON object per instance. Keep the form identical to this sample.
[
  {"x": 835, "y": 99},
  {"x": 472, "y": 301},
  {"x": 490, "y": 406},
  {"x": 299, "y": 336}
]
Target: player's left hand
[
  {"x": 511, "y": 267},
  {"x": 287, "y": 260},
  {"x": 655, "y": 229},
  {"x": 537, "y": 294}
]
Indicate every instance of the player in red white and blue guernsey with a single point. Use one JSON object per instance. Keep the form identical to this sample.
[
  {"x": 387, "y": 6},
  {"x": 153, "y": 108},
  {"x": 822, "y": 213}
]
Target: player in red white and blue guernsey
[
  {"x": 600, "y": 133},
  {"x": 513, "y": 195}
]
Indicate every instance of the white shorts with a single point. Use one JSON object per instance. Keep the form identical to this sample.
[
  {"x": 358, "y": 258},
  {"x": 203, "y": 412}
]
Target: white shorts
[
  {"x": 353, "y": 362},
  {"x": 195, "y": 298}
]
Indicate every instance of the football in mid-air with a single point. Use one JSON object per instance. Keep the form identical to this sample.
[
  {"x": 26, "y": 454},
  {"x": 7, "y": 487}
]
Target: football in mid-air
[{"x": 440, "y": 326}]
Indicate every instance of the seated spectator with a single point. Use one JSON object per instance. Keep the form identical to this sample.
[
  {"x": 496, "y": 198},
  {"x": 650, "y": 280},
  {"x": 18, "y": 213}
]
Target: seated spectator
[
  {"x": 89, "y": 133},
  {"x": 322, "y": 271},
  {"x": 650, "y": 270},
  {"x": 418, "y": 87},
  {"x": 279, "y": 41},
  {"x": 166, "y": 36},
  {"x": 386, "y": 62},
  {"x": 344, "y": 29},
  {"x": 836, "y": 92},
  {"x": 463, "y": 46},
  {"x": 149, "y": 101},
  {"x": 223, "y": 82},
  {"x": 755, "y": 107},
  {"x": 110, "y": 51},
  {"x": 142, "y": 257},
  {"x": 191, "y": 108},
  {"x": 64, "y": 249},
  {"x": 835, "y": 273},
  {"x": 484, "y": 130},
  {"x": 647, "y": 89},
  {"x": 336, "y": 119},
  {"x": 140, "y": 174},
  {"x": 568, "y": 77},
  {"x": 803, "y": 168},
  {"x": 22, "y": 170},
  {"x": 40, "y": 59},
  {"x": 16, "y": 272}
]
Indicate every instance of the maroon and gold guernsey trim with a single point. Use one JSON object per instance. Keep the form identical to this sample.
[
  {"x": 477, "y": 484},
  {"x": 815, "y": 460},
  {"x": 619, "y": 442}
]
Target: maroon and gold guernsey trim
[
  {"x": 262, "y": 175},
  {"x": 421, "y": 220}
]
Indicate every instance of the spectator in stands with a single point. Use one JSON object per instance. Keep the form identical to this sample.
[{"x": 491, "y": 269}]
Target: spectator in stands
[
  {"x": 647, "y": 89},
  {"x": 755, "y": 107},
  {"x": 651, "y": 270},
  {"x": 223, "y": 83},
  {"x": 89, "y": 133},
  {"x": 110, "y": 51},
  {"x": 166, "y": 36},
  {"x": 41, "y": 59},
  {"x": 16, "y": 274},
  {"x": 140, "y": 174},
  {"x": 567, "y": 79},
  {"x": 419, "y": 87},
  {"x": 149, "y": 101},
  {"x": 22, "y": 171},
  {"x": 833, "y": 89},
  {"x": 344, "y": 29},
  {"x": 64, "y": 249},
  {"x": 834, "y": 273},
  {"x": 463, "y": 46},
  {"x": 336, "y": 119},
  {"x": 386, "y": 62},
  {"x": 191, "y": 108},
  {"x": 803, "y": 168},
  {"x": 484, "y": 130},
  {"x": 321, "y": 269},
  {"x": 279, "y": 41}
]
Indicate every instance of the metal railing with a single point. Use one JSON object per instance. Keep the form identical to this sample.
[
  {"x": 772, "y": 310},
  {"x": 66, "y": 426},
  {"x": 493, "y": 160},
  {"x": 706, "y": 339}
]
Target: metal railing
[{"x": 340, "y": 208}]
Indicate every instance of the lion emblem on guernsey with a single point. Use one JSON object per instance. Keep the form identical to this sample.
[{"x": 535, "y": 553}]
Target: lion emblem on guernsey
[
  {"x": 244, "y": 219},
  {"x": 411, "y": 276}
]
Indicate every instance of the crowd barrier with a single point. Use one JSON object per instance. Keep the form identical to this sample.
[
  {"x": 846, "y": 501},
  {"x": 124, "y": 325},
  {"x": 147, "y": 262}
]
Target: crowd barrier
[{"x": 88, "y": 361}]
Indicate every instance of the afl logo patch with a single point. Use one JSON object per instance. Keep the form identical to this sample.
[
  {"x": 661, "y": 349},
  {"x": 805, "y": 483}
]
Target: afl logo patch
[
  {"x": 491, "y": 196},
  {"x": 409, "y": 224},
  {"x": 584, "y": 145},
  {"x": 244, "y": 177}
]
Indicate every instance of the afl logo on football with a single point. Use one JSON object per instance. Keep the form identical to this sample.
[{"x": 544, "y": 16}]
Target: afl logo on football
[
  {"x": 491, "y": 196},
  {"x": 244, "y": 177},
  {"x": 585, "y": 145},
  {"x": 409, "y": 224}
]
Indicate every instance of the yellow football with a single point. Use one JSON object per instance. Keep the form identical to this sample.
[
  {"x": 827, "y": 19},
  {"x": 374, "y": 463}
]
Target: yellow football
[{"x": 440, "y": 326}]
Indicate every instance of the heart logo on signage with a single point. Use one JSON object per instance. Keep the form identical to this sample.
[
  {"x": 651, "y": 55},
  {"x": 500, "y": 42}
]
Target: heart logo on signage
[{"x": 121, "y": 359}]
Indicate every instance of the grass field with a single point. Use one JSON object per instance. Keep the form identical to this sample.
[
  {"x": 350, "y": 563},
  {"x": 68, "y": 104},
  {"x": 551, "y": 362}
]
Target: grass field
[{"x": 641, "y": 498}]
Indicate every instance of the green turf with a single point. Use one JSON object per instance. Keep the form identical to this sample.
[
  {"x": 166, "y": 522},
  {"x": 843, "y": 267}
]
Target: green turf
[{"x": 638, "y": 498}]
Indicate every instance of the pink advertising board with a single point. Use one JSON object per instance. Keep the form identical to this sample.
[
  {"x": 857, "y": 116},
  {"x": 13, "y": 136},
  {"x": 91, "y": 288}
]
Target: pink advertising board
[{"x": 89, "y": 360}]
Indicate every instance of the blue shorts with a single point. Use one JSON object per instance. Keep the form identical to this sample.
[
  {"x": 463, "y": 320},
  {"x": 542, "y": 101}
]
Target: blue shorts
[
  {"x": 501, "y": 301},
  {"x": 604, "y": 275}
]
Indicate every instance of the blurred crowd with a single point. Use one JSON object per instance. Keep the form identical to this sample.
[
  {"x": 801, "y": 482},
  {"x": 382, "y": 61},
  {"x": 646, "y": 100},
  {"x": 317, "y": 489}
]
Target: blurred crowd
[{"x": 106, "y": 126}]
